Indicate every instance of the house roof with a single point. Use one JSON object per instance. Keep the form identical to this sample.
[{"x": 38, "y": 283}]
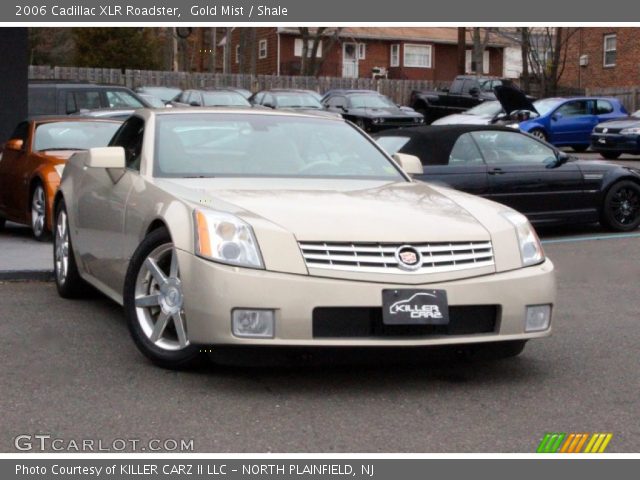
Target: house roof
[{"x": 447, "y": 35}]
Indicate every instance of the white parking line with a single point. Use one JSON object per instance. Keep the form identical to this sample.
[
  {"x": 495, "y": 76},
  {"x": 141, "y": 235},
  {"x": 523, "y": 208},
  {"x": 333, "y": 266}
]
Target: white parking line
[{"x": 591, "y": 237}]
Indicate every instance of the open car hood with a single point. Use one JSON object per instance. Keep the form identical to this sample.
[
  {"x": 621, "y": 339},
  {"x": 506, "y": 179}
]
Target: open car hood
[{"x": 513, "y": 99}]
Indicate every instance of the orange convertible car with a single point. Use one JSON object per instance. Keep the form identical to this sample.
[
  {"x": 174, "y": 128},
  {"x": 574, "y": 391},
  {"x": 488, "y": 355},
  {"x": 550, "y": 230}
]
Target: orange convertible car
[{"x": 31, "y": 163}]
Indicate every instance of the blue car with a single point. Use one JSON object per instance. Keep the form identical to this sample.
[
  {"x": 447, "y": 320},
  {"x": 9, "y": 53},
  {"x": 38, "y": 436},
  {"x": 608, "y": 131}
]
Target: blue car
[{"x": 570, "y": 121}]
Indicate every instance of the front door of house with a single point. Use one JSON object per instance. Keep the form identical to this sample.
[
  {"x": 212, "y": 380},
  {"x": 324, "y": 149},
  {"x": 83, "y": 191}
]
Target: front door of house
[{"x": 349, "y": 60}]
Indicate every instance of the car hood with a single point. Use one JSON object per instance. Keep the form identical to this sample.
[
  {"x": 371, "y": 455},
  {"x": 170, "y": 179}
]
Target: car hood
[
  {"x": 464, "y": 119},
  {"x": 383, "y": 112},
  {"x": 337, "y": 210},
  {"x": 513, "y": 99},
  {"x": 628, "y": 122}
]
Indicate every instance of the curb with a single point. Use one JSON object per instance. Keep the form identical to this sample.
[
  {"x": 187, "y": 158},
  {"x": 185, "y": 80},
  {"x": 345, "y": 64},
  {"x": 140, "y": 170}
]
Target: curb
[{"x": 26, "y": 275}]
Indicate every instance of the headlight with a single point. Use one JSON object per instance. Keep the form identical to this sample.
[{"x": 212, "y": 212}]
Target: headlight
[
  {"x": 376, "y": 120},
  {"x": 59, "y": 169},
  {"x": 223, "y": 237},
  {"x": 630, "y": 131},
  {"x": 515, "y": 126},
  {"x": 530, "y": 248},
  {"x": 418, "y": 119}
]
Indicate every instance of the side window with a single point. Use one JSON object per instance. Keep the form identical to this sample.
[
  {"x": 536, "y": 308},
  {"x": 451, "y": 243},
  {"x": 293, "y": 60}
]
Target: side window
[
  {"x": 468, "y": 85},
  {"x": 603, "y": 107},
  {"x": 465, "y": 152},
  {"x": 258, "y": 98},
  {"x": 21, "y": 132},
  {"x": 184, "y": 96},
  {"x": 337, "y": 102},
  {"x": 456, "y": 86},
  {"x": 194, "y": 98},
  {"x": 268, "y": 100},
  {"x": 129, "y": 136},
  {"x": 83, "y": 100},
  {"x": 42, "y": 101},
  {"x": 574, "y": 109},
  {"x": 512, "y": 147}
]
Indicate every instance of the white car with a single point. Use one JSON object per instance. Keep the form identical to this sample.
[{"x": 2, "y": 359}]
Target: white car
[{"x": 239, "y": 227}]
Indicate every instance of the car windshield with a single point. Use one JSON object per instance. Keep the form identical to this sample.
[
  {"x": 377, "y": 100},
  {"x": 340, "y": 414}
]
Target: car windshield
[
  {"x": 73, "y": 135},
  {"x": 546, "y": 105},
  {"x": 296, "y": 100},
  {"x": 251, "y": 145},
  {"x": 224, "y": 99},
  {"x": 370, "y": 101},
  {"x": 488, "y": 84},
  {"x": 392, "y": 145},
  {"x": 486, "y": 109},
  {"x": 122, "y": 99}
]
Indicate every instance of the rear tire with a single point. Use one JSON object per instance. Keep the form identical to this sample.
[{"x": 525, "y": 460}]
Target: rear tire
[
  {"x": 580, "y": 148},
  {"x": 68, "y": 280},
  {"x": 610, "y": 155},
  {"x": 621, "y": 207},
  {"x": 153, "y": 303},
  {"x": 495, "y": 350}
]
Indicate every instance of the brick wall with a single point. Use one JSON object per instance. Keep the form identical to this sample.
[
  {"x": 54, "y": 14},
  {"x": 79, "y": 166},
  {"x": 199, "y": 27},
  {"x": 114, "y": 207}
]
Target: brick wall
[{"x": 590, "y": 41}]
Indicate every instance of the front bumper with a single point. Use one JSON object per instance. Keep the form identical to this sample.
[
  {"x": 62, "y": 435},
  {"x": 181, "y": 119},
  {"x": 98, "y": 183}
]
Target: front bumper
[
  {"x": 213, "y": 290},
  {"x": 613, "y": 142}
]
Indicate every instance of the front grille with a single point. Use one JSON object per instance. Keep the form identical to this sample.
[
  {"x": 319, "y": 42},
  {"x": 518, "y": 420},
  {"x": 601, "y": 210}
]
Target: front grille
[
  {"x": 363, "y": 322},
  {"x": 609, "y": 130},
  {"x": 381, "y": 257}
]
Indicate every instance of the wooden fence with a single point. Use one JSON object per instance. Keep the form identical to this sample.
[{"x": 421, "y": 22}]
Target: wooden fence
[
  {"x": 397, "y": 90},
  {"x": 629, "y": 96}
]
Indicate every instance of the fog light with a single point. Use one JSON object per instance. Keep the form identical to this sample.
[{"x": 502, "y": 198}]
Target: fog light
[
  {"x": 538, "y": 318},
  {"x": 253, "y": 323}
]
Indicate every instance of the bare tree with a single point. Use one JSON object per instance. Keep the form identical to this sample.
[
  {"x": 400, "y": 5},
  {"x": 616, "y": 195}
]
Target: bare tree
[
  {"x": 226, "y": 66},
  {"x": 480, "y": 37},
  {"x": 547, "y": 55},
  {"x": 310, "y": 63},
  {"x": 524, "y": 50}
]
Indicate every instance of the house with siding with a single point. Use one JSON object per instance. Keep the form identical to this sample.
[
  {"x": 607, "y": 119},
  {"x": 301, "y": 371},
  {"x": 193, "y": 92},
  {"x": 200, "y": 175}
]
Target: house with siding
[{"x": 414, "y": 53}]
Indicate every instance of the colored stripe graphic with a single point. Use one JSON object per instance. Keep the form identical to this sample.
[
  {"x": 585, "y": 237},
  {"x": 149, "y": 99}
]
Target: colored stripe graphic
[{"x": 555, "y": 442}]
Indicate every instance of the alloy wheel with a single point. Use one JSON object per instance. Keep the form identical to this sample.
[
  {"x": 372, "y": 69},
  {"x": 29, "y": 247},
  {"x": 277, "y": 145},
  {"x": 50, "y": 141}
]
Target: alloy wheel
[
  {"x": 539, "y": 134},
  {"x": 38, "y": 209},
  {"x": 61, "y": 247},
  {"x": 625, "y": 205},
  {"x": 159, "y": 300}
]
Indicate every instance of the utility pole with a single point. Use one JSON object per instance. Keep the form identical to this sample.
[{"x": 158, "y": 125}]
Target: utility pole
[{"x": 462, "y": 50}]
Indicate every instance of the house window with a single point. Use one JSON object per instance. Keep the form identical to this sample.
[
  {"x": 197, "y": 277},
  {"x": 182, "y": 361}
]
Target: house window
[
  {"x": 417, "y": 55},
  {"x": 362, "y": 51},
  {"x": 238, "y": 53},
  {"x": 262, "y": 49},
  {"x": 610, "y": 50},
  {"x": 394, "y": 61},
  {"x": 297, "y": 48},
  {"x": 468, "y": 64}
]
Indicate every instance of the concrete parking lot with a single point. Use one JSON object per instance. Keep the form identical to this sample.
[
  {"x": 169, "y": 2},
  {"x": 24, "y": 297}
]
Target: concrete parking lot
[{"x": 71, "y": 370}]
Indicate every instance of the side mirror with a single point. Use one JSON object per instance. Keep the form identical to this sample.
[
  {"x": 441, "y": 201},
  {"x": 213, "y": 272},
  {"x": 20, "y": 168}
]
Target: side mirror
[
  {"x": 105, "y": 157},
  {"x": 474, "y": 91},
  {"x": 14, "y": 144},
  {"x": 268, "y": 105},
  {"x": 409, "y": 163},
  {"x": 562, "y": 157},
  {"x": 195, "y": 104},
  {"x": 556, "y": 116}
]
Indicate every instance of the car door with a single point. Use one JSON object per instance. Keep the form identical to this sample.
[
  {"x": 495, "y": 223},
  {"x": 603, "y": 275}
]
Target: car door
[
  {"x": 101, "y": 198},
  {"x": 525, "y": 174},
  {"x": 453, "y": 100},
  {"x": 465, "y": 169},
  {"x": 572, "y": 123},
  {"x": 13, "y": 175},
  {"x": 470, "y": 94}
]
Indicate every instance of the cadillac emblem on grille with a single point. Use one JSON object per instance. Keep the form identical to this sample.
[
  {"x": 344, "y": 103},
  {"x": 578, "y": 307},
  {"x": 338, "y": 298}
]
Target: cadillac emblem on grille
[{"x": 408, "y": 258}]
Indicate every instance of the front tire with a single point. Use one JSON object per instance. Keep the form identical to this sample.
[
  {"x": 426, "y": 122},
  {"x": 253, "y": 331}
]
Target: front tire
[
  {"x": 539, "y": 133},
  {"x": 610, "y": 155},
  {"x": 39, "y": 213},
  {"x": 68, "y": 280},
  {"x": 621, "y": 207},
  {"x": 154, "y": 304}
]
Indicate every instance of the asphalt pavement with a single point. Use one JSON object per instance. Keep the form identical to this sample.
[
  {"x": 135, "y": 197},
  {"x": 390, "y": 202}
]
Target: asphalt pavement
[
  {"x": 69, "y": 369},
  {"x": 23, "y": 257}
]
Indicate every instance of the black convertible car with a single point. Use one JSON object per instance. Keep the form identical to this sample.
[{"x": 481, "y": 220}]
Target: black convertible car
[
  {"x": 370, "y": 110},
  {"x": 523, "y": 172}
]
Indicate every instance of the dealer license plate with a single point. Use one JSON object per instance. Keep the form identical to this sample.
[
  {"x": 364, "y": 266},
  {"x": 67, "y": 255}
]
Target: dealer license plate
[{"x": 415, "y": 307}]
